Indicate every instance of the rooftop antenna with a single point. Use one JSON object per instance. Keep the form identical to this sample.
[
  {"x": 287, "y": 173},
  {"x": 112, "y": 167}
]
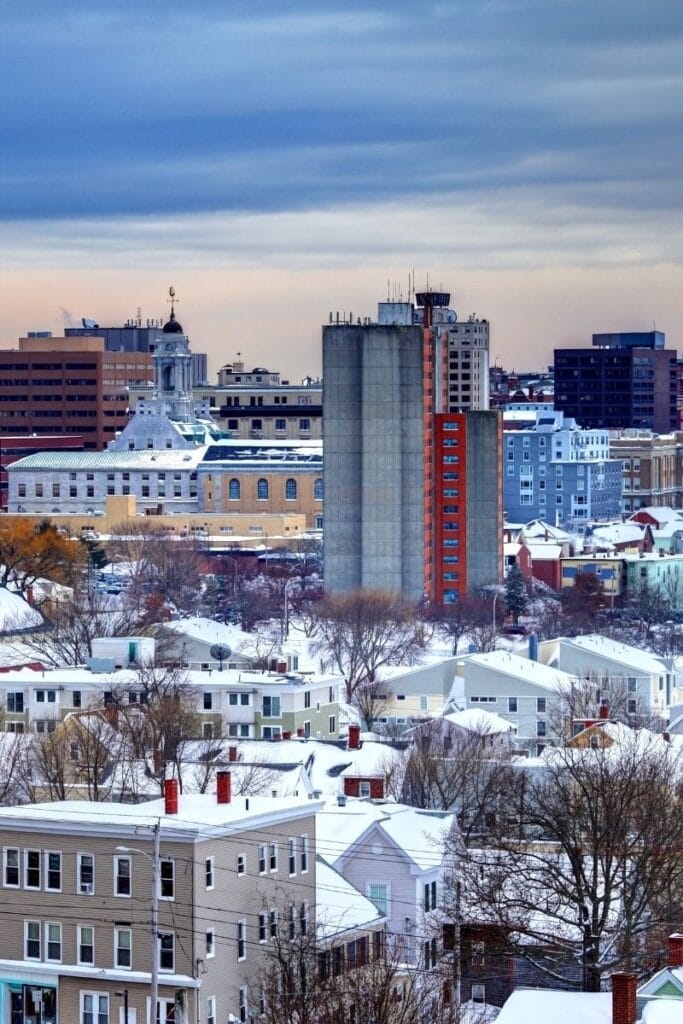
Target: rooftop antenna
[{"x": 388, "y": 290}]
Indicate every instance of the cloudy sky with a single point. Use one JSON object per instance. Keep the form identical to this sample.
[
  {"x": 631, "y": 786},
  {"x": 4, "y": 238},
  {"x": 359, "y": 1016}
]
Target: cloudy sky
[{"x": 275, "y": 162}]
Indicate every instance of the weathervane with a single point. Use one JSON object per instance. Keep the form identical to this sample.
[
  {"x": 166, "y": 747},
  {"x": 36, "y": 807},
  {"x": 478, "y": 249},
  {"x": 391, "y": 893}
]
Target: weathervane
[{"x": 172, "y": 299}]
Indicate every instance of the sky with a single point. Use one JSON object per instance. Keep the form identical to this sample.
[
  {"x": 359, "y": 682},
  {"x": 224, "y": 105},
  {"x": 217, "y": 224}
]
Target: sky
[{"x": 277, "y": 162}]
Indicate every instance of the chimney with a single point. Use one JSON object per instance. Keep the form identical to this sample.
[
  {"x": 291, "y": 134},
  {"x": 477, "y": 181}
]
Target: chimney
[
  {"x": 354, "y": 737},
  {"x": 624, "y": 998},
  {"x": 223, "y": 787},
  {"x": 533, "y": 647},
  {"x": 676, "y": 950},
  {"x": 287, "y": 735},
  {"x": 232, "y": 754},
  {"x": 603, "y": 712},
  {"x": 170, "y": 796},
  {"x": 300, "y": 731}
]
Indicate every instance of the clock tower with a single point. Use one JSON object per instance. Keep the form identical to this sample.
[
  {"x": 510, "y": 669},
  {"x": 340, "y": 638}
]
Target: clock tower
[{"x": 173, "y": 369}]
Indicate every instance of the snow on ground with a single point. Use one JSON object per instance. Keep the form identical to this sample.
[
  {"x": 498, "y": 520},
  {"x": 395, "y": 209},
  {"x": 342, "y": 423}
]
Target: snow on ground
[{"x": 15, "y": 614}]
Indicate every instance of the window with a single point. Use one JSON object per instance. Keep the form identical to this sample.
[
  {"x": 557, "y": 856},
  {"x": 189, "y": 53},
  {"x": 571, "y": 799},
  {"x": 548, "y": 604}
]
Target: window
[
  {"x": 211, "y": 1010},
  {"x": 332, "y": 724},
  {"x": 632, "y": 707},
  {"x": 94, "y": 1008},
  {"x": 86, "y": 873},
  {"x": 122, "y": 876},
  {"x": 272, "y": 923},
  {"x": 379, "y": 894},
  {"x": 210, "y": 943},
  {"x": 32, "y": 940},
  {"x": 304, "y": 424},
  {"x": 241, "y": 864},
  {"x": 10, "y": 867},
  {"x": 167, "y": 880},
  {"x": 478, "y": 953},
  {"x": 430, "y": 896},
  {"x": 123, "y": 944},
  {"x": 31, "y": 869},
  {"x": 243, "y": 1005},
  {"x": 318, "y": 490},
  {"x": 166, "y": 951},
  {"x": 632, "y": 684},
  {"x": 271, "y": 707},
  {"x": 290, "y": 489},
  {"x": 15, "y": 703},
  {"x": 512, "y": 705},
  {"x": 262, "y": 926},
  {"x": 86, "y": 944},
  {"x": 280, "y": 424},
  {"x": 53, "y": 942},
  {"x": 478, "y": 993},
  {"x": 241, "y": 940},
  {"x": 303, "y": 859},
  {"x": 273, "y": 857},
  {"x": 291, "y": 849},
  {"x": 430, "y": 954},
  {"x": 303, "y": 918},
  {"x": 540, "y": 705},
  {"x": 53, "y": 872},
  {"x": 262, "y": 490},
  {"x": 540, "y": 728},
  {"x": 262, "y": 859},
  {"x": 207, "y": 701}
]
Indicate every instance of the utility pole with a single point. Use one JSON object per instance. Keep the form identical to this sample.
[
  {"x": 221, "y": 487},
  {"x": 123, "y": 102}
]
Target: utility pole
[{"x": 156, "y": 871}]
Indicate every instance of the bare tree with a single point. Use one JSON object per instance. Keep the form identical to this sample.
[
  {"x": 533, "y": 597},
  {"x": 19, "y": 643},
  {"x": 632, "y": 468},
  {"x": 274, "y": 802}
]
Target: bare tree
[
  {"x": 158, "y": 564},
  {"x": 455, "y": 621},
  {"x": 372, "y": 699},
  {"x": 359, "y": 632},
  {"x": 584, "y": 867}
]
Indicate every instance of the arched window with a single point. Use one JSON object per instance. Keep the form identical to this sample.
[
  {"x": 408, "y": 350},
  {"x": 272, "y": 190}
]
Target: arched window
[
  {"x": 290, "y": 489},
  {"x": 318, "y": 490},
  {"x": 234, "y": 490},
  {"x": 262, "y": 490}
]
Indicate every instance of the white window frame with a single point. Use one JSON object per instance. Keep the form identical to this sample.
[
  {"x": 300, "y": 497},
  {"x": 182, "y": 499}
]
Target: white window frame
[
  {"x": 33, "y": 888},
  {"x": 386, "y": 885},
  {"x": 272, "y": 857},
  {"x": 167, "y": 970},
  {"x": 303, "y": 855},
  {"x": 46, "y": 869},
  {"x": 79, "y": 943},
  {"x": 262, "y": 926},
  {"x": 27, "y": 925},
  {"x": 94, "y": 1013},
  {"x": 210, "y": 943},
  {"x": 291, "y": 856},
  {"x": 117, "y": 933},
  {"x": 166, "y": 860},
  {"x": 5, "y": 851},
  {"x": 79, "y": 879},
  {"x": 210, "y": 873},
  {"x": 51, "y": 959},
  {"x": 210, "y": 1010},
  {"x": 117, "y": 860},
  {"x": 241, "y": 941},
  {"x": 263, "y": 859},
  {"x": 241, "y": 864}
]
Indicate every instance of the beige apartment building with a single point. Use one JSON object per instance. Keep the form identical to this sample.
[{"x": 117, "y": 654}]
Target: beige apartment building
[
  {"x": 653, "y": 468},
  {"x": 77, "y": 893}
]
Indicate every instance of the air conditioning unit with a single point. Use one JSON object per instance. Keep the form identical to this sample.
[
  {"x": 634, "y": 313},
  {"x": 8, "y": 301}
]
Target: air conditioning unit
[{"x": 86, "y": 888}]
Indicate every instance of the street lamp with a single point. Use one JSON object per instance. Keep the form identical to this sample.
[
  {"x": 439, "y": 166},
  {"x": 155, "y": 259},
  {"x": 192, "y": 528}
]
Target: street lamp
[{"x": 154, "y": 860}]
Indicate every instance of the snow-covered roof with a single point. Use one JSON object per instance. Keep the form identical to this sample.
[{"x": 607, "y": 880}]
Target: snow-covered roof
[
  {"x": 339, "y": 906},
  {"x": 539, "y": 528},
  {"x": 371, "y": 759},
  {"x": 509, "y": 664},
  {"x": 624, "y": 654},
  {"x": 663, "y": 514},
  {"x": 542, "y": 1005},
  {"x": 544, "y": 550},
  {"x": 479, "y": 721},
  {"x": 618, "y": 533},
  {"x": 148, "y": 458},
  {"x": 662, "y": 1011},
  {"x": 419, "y": 834},
  {"x": 199, "y": 816},
  {"x": 208, "y": 631},
  {"x": 16, "y": 614}
]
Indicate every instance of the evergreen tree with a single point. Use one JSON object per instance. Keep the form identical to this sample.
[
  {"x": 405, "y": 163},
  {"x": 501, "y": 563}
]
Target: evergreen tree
[{"x": 516, "y": 597}]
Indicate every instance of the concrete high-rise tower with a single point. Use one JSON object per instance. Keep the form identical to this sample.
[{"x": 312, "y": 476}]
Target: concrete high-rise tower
[{"x": 400, "y": 500}]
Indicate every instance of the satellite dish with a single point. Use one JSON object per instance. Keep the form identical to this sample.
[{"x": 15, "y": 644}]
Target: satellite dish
[{"x": 219, "y": 653}]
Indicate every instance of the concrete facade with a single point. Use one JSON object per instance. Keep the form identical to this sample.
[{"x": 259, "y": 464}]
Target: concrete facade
[{"x": 374, "y": 452}]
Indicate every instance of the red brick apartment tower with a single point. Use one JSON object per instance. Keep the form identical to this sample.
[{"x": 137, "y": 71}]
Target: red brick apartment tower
[
  {"x": 467, "y": 502},
  {"x": 434, "y": 399}
]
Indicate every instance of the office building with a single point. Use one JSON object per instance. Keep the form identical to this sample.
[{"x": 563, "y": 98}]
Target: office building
[
  {"x": 624, "y": 380},
  {"x": 652, "y": 468},
  {"x": 68, "y": 386},
  {"x": 388, "y": 505}
]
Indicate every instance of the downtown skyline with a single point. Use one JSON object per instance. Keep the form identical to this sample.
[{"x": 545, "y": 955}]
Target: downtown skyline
[{"x": 275, "y": 166}]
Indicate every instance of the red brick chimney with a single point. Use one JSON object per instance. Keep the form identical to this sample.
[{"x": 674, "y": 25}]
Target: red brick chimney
[
  {"x": 354, "y": 737},
  {"x": 232, "y": 753},
  {"x": 171, "y": 796},
  {"x": 223, "y": 787},
  {"x": 676, "y": 950},
  {"x": 624, "y": 998},
  {"x": 603, "y": 712}
]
